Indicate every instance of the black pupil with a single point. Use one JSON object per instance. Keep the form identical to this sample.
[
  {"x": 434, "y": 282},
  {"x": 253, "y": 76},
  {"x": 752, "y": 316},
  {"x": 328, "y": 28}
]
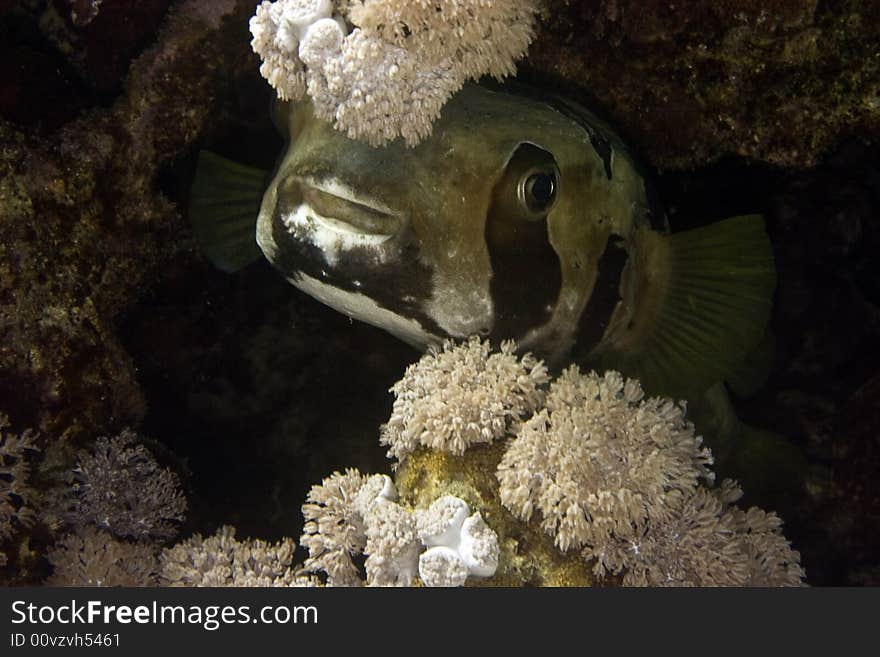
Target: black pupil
[{"x": 541, "y": 187}]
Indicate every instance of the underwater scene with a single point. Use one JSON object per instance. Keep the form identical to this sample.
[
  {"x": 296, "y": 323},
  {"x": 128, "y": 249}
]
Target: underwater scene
[{"x": 439, "y": 293}]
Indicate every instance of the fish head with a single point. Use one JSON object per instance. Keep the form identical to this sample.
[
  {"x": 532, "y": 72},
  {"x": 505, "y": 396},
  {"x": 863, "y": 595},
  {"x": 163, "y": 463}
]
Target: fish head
[{"x": 495, "y": 225}]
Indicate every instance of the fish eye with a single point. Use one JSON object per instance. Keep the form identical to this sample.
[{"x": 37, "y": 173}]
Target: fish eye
[
  {"x": 529, "y": 186},
  {"x": 537, "y": 191},
  {"x": 540, "y": 190}
]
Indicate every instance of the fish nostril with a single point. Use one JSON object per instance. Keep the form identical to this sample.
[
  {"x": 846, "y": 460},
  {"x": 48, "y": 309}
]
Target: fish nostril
[
  {"x": 358, "y": 215},
  {"x": 289, "y": 196}
]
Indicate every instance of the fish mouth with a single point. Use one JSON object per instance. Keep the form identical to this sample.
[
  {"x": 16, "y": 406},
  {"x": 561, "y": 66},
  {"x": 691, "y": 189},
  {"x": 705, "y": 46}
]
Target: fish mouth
[{"x": 330, "y": 206}]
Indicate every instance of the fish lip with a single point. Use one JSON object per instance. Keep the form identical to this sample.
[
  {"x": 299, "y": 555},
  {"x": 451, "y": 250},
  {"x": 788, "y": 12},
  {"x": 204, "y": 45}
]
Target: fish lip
[{"x": 336, "y": 207}]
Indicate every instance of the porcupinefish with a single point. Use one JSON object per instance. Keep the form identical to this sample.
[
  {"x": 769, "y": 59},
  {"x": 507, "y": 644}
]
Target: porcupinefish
[{"x": 520, "y": 218}]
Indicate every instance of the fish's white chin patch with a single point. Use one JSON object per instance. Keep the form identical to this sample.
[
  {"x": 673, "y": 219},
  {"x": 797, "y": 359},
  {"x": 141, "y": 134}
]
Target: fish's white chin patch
[
  {"x": 330, "y": 235},
  {"x": 361, "y": 307}
]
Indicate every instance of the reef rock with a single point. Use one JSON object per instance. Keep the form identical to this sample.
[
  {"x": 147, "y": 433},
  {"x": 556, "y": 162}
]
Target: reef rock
[
  {"x": 82, "y": 225},
  {"x": 690, "y": 82}
]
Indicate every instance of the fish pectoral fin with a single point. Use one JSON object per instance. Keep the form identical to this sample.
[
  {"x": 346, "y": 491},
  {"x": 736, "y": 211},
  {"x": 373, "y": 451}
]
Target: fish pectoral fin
[
  {"x": 223, "y": 207},
  {"x": 772, "y": 469},
  {"x": 751, "y": 374},
  {"x": 712, "y": 304},
  {"x": 769, "y": 466}
]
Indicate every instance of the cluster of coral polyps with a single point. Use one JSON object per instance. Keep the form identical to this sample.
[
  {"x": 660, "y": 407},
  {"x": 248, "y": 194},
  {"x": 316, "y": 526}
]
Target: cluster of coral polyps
[
  {"x": 503, "y": 480},
  {"x": 15, "y": 490},
  {"x": 350, "y": 514},
  {"x": 381, "y": 69}
]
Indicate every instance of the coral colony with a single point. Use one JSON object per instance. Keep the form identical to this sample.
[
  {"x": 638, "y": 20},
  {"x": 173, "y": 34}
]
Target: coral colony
[
  {"x": 391, "y": 73},
  {"x": 503, "y": 477},
  {"x": 119, "y": 487},
  {"x": 15, "y": 490}
]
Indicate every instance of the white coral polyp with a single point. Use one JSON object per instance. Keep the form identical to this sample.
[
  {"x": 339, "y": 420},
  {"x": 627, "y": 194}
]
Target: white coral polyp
[
  {"x": 321, "y": 41},
  {"x": 441, "y": 566},
  {"x": 392, "y": 545},
  {"x": 479, "y": 547},
  {"x": 297, "y": 16},
  {"x": 457, "y": 543},
  {"x": 376, "y": 488},
  {"x": 393, "y": 72},
  {"x": 406, "y": 103},
  {"x": 441, "y": 523}
]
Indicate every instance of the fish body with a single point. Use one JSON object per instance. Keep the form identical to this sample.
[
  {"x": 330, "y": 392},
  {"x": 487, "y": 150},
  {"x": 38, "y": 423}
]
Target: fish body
[{"x": 520, "y": 218}]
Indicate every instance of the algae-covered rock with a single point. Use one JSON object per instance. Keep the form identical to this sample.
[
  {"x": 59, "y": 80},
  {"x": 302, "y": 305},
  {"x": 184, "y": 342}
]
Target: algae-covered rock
[
  {"x": 690, "y": 82},
  {"x": 83, "y": 226},
  {"x": 527, "y": 555}
]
